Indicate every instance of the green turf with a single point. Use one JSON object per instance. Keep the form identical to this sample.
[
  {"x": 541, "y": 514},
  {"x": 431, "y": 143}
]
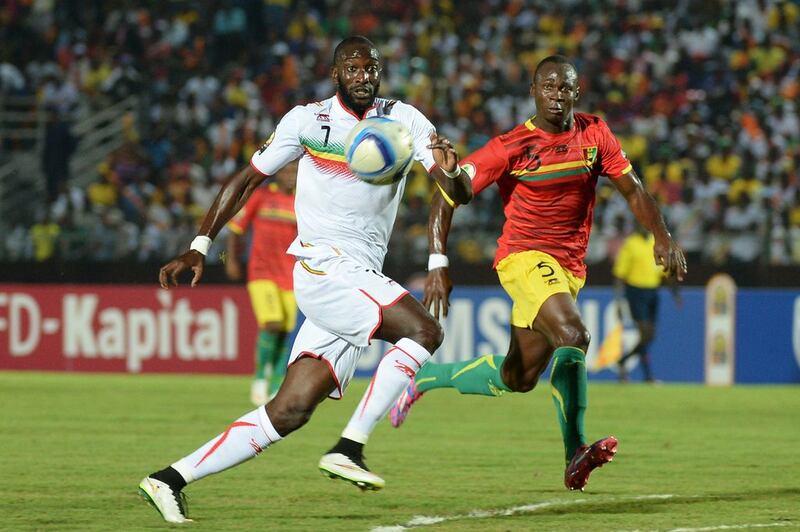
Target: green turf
[{"x": 74, "y": 447}]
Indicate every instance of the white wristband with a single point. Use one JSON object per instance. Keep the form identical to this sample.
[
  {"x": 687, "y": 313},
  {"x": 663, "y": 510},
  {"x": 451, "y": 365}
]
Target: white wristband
[
  {"x": 451, "y": 175},
  {"x": 201, "y": 244},
  {"x": 437, "y": 260}
]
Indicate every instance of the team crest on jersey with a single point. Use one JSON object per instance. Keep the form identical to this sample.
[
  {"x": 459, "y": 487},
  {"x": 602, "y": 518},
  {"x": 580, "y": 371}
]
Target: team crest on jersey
[
  {"x": 590, "y": 155},
  {"x": 322, "y": 117},
  {"x": 266, "y": 143}
]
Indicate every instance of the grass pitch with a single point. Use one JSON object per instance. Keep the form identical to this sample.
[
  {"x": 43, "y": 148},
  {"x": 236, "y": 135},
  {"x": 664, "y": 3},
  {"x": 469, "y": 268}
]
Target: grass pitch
[{"x": 74, "y": 447}]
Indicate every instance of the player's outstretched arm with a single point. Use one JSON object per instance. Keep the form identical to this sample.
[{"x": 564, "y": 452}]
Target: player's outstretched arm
[
  {"x": 454, "y": 181},
  {"x": 438, "y": 285},
  {"x": 667, "y": 252},
  {"x": 230, "y": 199}
]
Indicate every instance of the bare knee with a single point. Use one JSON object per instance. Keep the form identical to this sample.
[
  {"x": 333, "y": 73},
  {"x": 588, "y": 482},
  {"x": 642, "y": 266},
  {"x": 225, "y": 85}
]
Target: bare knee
[
  {"x": 523, "y": 384},
  {"x": 428, "y": 334},
  {"x": 288, "y": 416},
  {"x": 572, "y": 334},
  {"x": 521, "y": 379}
]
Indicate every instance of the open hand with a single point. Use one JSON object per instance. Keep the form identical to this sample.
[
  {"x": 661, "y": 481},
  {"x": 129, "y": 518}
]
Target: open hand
[
  {"x": 437, "y": 292},
  {"x": 191, "y": 260},
  {"x": 670, "y": 256}
]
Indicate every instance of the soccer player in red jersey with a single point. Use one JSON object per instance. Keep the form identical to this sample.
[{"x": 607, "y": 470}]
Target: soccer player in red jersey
[
  {"x": 270, "y": 213},
  {"x": 546, "y": 170}
]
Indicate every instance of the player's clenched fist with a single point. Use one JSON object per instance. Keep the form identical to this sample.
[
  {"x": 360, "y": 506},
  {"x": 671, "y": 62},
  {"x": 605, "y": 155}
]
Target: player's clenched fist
[{"x": 444, "y": 153}]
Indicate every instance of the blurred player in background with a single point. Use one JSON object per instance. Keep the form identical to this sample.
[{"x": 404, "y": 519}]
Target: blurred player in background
[
  {"x": 343, "y": 227},
  {"x": 270, "y": 212},
  {"x": 637, "y": 278},
  {"x": 546, "y": 170}
]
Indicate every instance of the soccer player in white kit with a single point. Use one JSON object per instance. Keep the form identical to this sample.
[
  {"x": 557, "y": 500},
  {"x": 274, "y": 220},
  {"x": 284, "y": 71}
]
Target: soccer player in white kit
[{"x": 343, "y": 227}]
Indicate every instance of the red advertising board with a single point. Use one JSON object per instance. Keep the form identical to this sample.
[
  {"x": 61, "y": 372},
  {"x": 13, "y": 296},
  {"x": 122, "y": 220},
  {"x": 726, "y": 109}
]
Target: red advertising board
[{"x": 127, "y": 328}]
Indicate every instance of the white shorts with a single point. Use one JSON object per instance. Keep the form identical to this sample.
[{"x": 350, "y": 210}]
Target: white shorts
[
  {"x": 343, "y": 303},
  {"x": 340, "y": 355},
  {"x": 343, "y": 297}
]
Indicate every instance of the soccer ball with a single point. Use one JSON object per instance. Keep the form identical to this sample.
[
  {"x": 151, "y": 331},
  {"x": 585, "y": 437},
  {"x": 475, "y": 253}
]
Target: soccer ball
[{"x": 379, "y": 150}]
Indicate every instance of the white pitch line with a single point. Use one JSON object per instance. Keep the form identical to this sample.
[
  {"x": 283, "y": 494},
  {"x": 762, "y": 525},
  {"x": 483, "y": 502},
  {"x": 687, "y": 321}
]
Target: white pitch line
[{"x": 425, "y": 520}]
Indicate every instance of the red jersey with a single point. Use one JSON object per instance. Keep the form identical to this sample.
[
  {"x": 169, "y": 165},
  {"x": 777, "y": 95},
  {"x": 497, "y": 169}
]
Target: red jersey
[
  {"x": 271, "y": 213},
  {"x": 547, "y": 184}
]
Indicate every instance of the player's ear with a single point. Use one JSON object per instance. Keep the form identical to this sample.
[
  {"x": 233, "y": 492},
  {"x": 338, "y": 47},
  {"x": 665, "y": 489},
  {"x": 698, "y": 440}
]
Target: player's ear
[
  {"x": 577, "y": 94},
  {"x": 335, "y": 75}
]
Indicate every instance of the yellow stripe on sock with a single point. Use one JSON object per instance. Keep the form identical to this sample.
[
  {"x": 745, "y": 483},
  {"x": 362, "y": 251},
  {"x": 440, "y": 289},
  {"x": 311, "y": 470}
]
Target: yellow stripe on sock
[
  {"x": 555, "y": 392},
  {"x": 494, "y": 390},
  {"x": 426, "y": 379},
  {"x": 485, "y": 358}
]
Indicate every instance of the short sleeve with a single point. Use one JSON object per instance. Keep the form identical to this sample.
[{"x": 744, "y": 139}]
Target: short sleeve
[
  {"x": 486, "y": 165},
  {"x": 612, "y": 160},
  {"x": 283, "y": 146},
  {"x": 421, "y": 130}
]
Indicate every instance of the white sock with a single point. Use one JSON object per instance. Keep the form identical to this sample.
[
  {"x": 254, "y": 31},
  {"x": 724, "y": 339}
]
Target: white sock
[
  {"x": 244, "y": 439},
  {"x": 394, "y": 372}
]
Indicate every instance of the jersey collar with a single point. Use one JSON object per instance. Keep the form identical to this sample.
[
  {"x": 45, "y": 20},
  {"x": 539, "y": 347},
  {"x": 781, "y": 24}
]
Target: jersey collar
[
  {"x": 531, "y": 127},
  {"x": 339, "y": 105}
]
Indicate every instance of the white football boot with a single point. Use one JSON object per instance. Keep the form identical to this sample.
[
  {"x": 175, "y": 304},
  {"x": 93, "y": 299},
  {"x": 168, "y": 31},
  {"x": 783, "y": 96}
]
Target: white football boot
[
  {"x": 170, "y": 504},
  {"x": 338, "y": 465}
]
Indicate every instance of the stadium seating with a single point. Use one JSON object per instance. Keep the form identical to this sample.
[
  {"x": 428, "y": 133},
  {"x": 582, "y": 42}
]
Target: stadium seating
[{"x": 705, "y": 104}]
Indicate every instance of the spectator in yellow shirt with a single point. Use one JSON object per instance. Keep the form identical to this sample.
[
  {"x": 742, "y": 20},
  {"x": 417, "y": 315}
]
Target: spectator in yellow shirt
[
  {"x": 44, "y": 235},
  {"x": 724, "y": 165},
  {"x": 637, "y": 279}
]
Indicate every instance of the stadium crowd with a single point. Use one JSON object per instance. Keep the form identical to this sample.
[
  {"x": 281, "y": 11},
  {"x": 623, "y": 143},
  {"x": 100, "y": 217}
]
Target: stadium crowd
[{"x": 704, "y": 96}]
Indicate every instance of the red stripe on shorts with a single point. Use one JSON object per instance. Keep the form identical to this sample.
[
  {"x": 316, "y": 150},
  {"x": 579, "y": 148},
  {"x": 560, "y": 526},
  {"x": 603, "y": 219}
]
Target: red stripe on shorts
[
  {"x": 380, "y": 309},
  {"x": 330, "y": 368}
]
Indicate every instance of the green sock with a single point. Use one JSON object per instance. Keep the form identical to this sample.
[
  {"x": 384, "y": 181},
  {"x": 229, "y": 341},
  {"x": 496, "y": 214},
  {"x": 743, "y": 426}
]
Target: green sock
[
  {"x": 265, "y": 346},
  {"x": 280, "y": 356},
  {"x": 568, "y": 386},
  {"x": 477, "y": 376}
]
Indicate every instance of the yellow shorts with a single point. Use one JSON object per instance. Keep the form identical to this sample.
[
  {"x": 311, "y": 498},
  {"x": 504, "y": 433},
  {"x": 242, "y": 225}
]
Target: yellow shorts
[
  {"x": 271, "y": 304},
  {"x": 529, "y": 278}
]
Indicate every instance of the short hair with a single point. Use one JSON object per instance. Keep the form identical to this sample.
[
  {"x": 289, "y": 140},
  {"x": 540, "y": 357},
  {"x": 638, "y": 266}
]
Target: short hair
[
  {"x": 357, "y": 40},
  {"x": 557, "y": 59}
]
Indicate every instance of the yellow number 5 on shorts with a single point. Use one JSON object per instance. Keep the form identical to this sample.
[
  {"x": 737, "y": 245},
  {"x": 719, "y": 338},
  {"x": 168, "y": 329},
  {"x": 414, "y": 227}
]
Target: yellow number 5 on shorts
[{"x": 529, "y": 278}]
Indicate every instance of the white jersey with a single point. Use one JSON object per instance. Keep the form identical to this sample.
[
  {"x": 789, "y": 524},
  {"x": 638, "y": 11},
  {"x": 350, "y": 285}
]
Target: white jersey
[{"x": 334, "y": 207}]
